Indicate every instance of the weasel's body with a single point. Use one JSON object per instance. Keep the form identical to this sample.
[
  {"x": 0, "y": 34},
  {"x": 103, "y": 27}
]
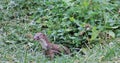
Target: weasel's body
[{"x": 50, "y": 48}]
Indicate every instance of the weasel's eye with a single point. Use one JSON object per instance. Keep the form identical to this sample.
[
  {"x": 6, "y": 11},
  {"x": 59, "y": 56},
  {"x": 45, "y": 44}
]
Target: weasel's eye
[{"x": 37, "y": 38}]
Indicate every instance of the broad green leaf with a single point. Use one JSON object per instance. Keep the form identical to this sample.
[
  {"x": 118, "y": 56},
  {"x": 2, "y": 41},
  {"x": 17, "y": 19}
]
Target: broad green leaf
[
  {"x": 72, "y": 19},
  {"x": 95, "y": 33},
  {"x": 111, "y": 33}
]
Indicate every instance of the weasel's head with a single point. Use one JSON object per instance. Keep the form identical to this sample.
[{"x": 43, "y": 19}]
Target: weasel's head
[
  {"x": 39, "y": 36},
  {"x": 42, "y": 39}
]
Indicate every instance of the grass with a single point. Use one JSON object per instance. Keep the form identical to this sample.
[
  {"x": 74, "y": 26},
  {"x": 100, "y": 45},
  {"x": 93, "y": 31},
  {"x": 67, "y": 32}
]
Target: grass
[
  {"x": 62, "y": 21},
  {"x": 21, "y": 53}
]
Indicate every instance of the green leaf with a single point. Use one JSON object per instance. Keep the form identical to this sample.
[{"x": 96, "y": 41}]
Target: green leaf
[
  {"x": 111, "y": 33},
  {"x": 95, "y": 33},
  {"x": 72, "y": 19},
  {"x": 38, "y": 20}
]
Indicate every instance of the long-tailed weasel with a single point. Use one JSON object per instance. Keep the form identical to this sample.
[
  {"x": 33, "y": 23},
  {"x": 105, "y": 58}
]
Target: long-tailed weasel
[{"x": 50, "y": 48}]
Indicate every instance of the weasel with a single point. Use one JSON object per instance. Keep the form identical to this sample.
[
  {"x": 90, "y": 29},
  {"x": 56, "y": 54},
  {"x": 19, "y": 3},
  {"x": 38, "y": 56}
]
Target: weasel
[{"x": 50, "y": 48}]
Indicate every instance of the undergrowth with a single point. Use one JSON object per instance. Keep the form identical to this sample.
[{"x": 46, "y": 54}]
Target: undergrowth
[{"x": 92, "y": 26}]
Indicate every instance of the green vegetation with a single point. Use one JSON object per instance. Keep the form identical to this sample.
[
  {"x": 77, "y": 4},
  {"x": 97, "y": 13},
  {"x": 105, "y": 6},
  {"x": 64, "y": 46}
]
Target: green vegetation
[{"x": 93, "y": 26}]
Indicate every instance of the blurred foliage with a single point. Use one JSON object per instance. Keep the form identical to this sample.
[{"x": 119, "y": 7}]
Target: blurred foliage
[{"x": 73, "y": 23}]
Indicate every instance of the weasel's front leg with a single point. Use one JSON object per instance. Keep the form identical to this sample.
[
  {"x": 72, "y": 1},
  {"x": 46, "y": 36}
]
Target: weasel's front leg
[{"x": 50, "y": 54}]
